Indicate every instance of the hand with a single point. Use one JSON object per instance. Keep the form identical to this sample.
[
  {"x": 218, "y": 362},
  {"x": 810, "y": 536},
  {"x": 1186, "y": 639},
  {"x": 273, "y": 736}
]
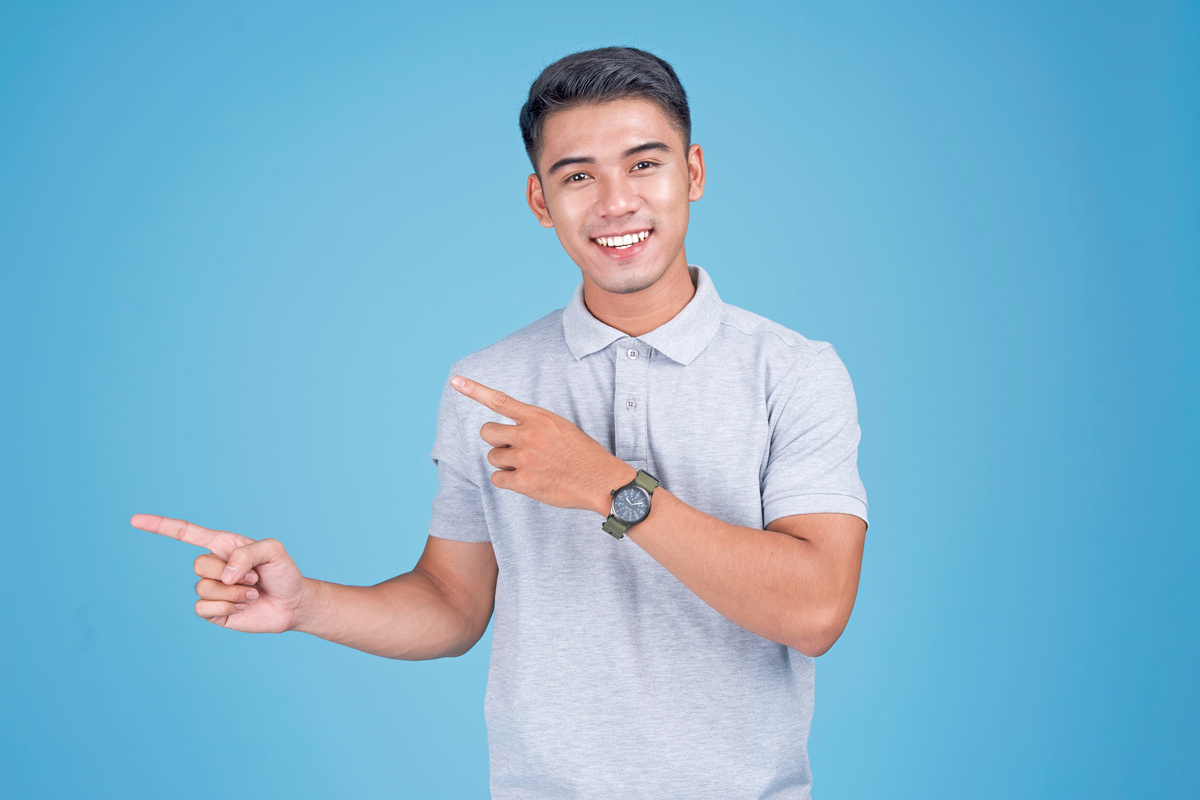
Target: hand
[
  {"x": 237, "y": 563},
  {"x": 545, "y": 457}
]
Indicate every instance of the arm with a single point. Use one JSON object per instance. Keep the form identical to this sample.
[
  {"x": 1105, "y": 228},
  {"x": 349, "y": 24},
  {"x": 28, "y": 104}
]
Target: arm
[
  {"x": 794, "y": 583},
  {"x": 441, "y": 608}
]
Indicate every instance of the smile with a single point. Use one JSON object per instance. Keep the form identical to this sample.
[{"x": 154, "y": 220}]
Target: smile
[{"x": 622, "y": 242}]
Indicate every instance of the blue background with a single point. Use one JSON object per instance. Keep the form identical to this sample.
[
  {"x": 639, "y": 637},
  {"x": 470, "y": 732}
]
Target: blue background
[{"x": 241, "y": 244}]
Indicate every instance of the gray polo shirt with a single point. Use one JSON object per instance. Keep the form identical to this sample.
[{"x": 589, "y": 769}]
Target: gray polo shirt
[{"x": 610, "y": 678}]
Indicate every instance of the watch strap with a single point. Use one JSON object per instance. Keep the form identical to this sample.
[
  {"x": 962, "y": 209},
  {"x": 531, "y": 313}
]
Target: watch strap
[
  {"x": 646, "y": 481},
  {"x": 614, "y": 527}
]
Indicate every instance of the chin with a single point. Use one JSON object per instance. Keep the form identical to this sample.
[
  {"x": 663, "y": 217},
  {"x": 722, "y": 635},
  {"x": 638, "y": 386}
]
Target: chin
[{"x": 629, "y": 281}]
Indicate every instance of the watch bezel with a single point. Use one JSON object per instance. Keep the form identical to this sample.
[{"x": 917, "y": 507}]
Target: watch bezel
[{"x": 617, "y": 493}]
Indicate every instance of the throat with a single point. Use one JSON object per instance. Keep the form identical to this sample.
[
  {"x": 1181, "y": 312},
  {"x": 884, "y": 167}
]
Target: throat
[{"x": 638, "y": 313}]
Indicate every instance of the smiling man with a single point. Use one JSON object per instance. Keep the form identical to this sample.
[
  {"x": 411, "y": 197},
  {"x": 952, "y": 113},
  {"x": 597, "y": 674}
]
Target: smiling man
[{"x": 656, "y": 493}]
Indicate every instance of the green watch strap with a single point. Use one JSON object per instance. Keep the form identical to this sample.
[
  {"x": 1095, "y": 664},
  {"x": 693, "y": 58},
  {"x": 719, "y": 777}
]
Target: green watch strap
[
  {"x": 614, "y": 527},
  {"x": 646, "y": 481}
]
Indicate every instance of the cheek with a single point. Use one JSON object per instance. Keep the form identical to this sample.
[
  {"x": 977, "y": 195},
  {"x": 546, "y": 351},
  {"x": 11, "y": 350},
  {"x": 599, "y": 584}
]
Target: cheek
[{"x": 569, "y": 212}]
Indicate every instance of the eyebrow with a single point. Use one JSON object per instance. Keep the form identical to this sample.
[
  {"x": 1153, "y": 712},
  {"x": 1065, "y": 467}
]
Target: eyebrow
[{"x": 633, "y": 151}]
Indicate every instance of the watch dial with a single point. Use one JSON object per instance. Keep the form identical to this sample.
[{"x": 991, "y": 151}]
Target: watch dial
[{"x": 631, "y": 504}]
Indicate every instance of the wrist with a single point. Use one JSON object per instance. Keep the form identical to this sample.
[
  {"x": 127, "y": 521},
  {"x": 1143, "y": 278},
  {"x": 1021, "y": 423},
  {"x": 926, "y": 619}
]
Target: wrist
[{"x": 308, "y": 609}]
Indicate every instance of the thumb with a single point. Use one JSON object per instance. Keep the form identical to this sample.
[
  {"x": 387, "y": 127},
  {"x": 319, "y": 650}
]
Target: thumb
[{"x": 249, "y": 556}]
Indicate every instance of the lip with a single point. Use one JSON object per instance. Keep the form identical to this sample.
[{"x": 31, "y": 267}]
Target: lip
[{"x": 628, "y": 252}]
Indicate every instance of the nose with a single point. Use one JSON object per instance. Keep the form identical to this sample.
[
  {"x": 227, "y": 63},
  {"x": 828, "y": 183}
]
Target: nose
[{"x": 617, "y": 197}]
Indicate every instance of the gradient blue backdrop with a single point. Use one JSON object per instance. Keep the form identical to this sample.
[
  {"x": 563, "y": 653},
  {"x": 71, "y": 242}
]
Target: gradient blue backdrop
[{"x": 241, "y": 244}]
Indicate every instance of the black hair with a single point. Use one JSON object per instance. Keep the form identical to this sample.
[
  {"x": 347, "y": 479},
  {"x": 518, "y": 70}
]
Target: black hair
[{"x": 598, "y": 76}]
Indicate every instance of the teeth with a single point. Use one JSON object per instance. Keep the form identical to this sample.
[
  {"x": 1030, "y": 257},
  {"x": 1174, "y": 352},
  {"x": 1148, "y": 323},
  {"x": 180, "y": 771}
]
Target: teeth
[{"x": 621, "y": 242}]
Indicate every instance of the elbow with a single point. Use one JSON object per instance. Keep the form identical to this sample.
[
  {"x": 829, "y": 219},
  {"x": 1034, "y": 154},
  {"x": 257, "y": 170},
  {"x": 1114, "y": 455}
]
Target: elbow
[
  {"x": 814, "y": 646},
  {"x": 819, "y": 634},
  {"x": 467, "y": 640}
]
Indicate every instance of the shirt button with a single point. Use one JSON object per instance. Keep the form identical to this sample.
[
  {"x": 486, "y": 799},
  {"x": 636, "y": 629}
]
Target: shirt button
[
  {"x": 631, "y": 404},
  {"x": 632, "y": 353}
]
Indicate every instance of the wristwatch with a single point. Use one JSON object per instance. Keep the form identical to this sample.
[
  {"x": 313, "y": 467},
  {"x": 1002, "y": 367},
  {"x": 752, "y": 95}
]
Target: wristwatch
[{"x": 630, "y": 505}]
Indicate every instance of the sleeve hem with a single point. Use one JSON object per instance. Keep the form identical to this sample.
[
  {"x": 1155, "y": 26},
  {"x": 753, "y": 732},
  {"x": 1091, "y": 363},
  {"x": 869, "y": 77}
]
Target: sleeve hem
[
  {"x": 457, "y": 536},
  {"x": 814, "y": 504}
]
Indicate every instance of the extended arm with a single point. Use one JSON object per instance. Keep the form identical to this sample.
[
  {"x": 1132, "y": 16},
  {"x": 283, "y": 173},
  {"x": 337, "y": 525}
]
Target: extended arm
[{"x": 441, "y": 608}]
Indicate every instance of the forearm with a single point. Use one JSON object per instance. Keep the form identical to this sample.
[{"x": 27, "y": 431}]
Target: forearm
[
  {"x": 770, "y": 583},
  {"x": 408, "y": 617}
]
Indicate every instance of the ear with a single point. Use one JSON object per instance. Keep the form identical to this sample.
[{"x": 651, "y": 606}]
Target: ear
[
  {"x": 695, "y": 159},
  {"x": 537, "y": 201}
]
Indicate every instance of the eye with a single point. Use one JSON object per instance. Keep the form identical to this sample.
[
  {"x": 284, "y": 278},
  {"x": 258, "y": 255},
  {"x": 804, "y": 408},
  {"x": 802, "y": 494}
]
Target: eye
[
  {"x": 643, "y": 164},
  {"x": 578, "y": 176}
]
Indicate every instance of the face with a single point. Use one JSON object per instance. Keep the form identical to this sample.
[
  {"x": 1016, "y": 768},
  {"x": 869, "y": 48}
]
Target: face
[{"x": 616, "y": 181}]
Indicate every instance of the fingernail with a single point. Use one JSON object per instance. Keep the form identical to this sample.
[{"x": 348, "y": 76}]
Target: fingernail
[
  {"x": 251, "y": 577},
  {"x": 229, "y": 574},
  {"x": 251, "y": 595},
  {"x": 457, "y": 382},
  {"x": 239, "y": 606}
]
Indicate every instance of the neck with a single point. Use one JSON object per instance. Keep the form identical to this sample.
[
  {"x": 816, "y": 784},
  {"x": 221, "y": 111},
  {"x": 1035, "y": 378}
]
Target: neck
[{"x": 641, "y": 312}]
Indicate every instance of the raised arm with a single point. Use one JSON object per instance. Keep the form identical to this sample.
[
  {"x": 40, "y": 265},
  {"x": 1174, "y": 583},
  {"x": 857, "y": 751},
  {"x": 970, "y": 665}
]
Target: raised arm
[
  {"x": 794, "y": 583},
  {"x": 441, "y": 608}
]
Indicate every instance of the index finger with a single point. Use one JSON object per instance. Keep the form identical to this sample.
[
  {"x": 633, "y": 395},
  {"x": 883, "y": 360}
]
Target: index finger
[
  {"x": 496, "y": 400},
  {"x": 185, "y": 531}
]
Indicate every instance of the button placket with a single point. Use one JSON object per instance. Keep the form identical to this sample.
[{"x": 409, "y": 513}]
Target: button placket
[{"x": 629, "y": 401}]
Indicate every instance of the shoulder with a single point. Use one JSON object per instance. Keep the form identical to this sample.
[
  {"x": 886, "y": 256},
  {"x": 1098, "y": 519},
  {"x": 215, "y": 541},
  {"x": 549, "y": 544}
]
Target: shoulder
[{"x": 780, "y": 353}]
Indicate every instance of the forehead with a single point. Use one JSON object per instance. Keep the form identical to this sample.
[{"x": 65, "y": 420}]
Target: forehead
[{"x": 597, "y": 130}]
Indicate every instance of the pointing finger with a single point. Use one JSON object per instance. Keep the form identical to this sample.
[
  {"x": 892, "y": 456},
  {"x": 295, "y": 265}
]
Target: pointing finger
[
  {"x": 497, "y": 401},
  {"x": 175, "y": 528},
  {"x": 220, "y": 542}
]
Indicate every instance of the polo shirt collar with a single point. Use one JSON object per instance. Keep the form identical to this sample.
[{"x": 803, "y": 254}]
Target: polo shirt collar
[{"x": 680, "y": 339}]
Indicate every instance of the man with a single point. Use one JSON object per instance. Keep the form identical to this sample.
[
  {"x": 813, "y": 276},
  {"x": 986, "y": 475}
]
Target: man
[{"x": 674, "y": 526}]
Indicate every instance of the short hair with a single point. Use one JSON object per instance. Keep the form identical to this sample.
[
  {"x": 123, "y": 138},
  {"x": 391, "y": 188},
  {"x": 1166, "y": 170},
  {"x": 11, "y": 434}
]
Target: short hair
[{"x": 599, "y": 76}]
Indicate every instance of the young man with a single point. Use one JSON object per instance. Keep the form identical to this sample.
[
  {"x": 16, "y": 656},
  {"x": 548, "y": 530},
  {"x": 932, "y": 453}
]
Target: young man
[{"x": 657, "y": 493}]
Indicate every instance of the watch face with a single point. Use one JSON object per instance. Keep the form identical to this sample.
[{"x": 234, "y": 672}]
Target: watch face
[{"x": 631, "y": 504}]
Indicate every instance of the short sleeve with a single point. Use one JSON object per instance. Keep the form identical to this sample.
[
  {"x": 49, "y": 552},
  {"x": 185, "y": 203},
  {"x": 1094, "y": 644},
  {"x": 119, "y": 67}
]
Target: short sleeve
[
  {"x": 458, "y": 507},
  {"x": 812, "y": 466}
]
